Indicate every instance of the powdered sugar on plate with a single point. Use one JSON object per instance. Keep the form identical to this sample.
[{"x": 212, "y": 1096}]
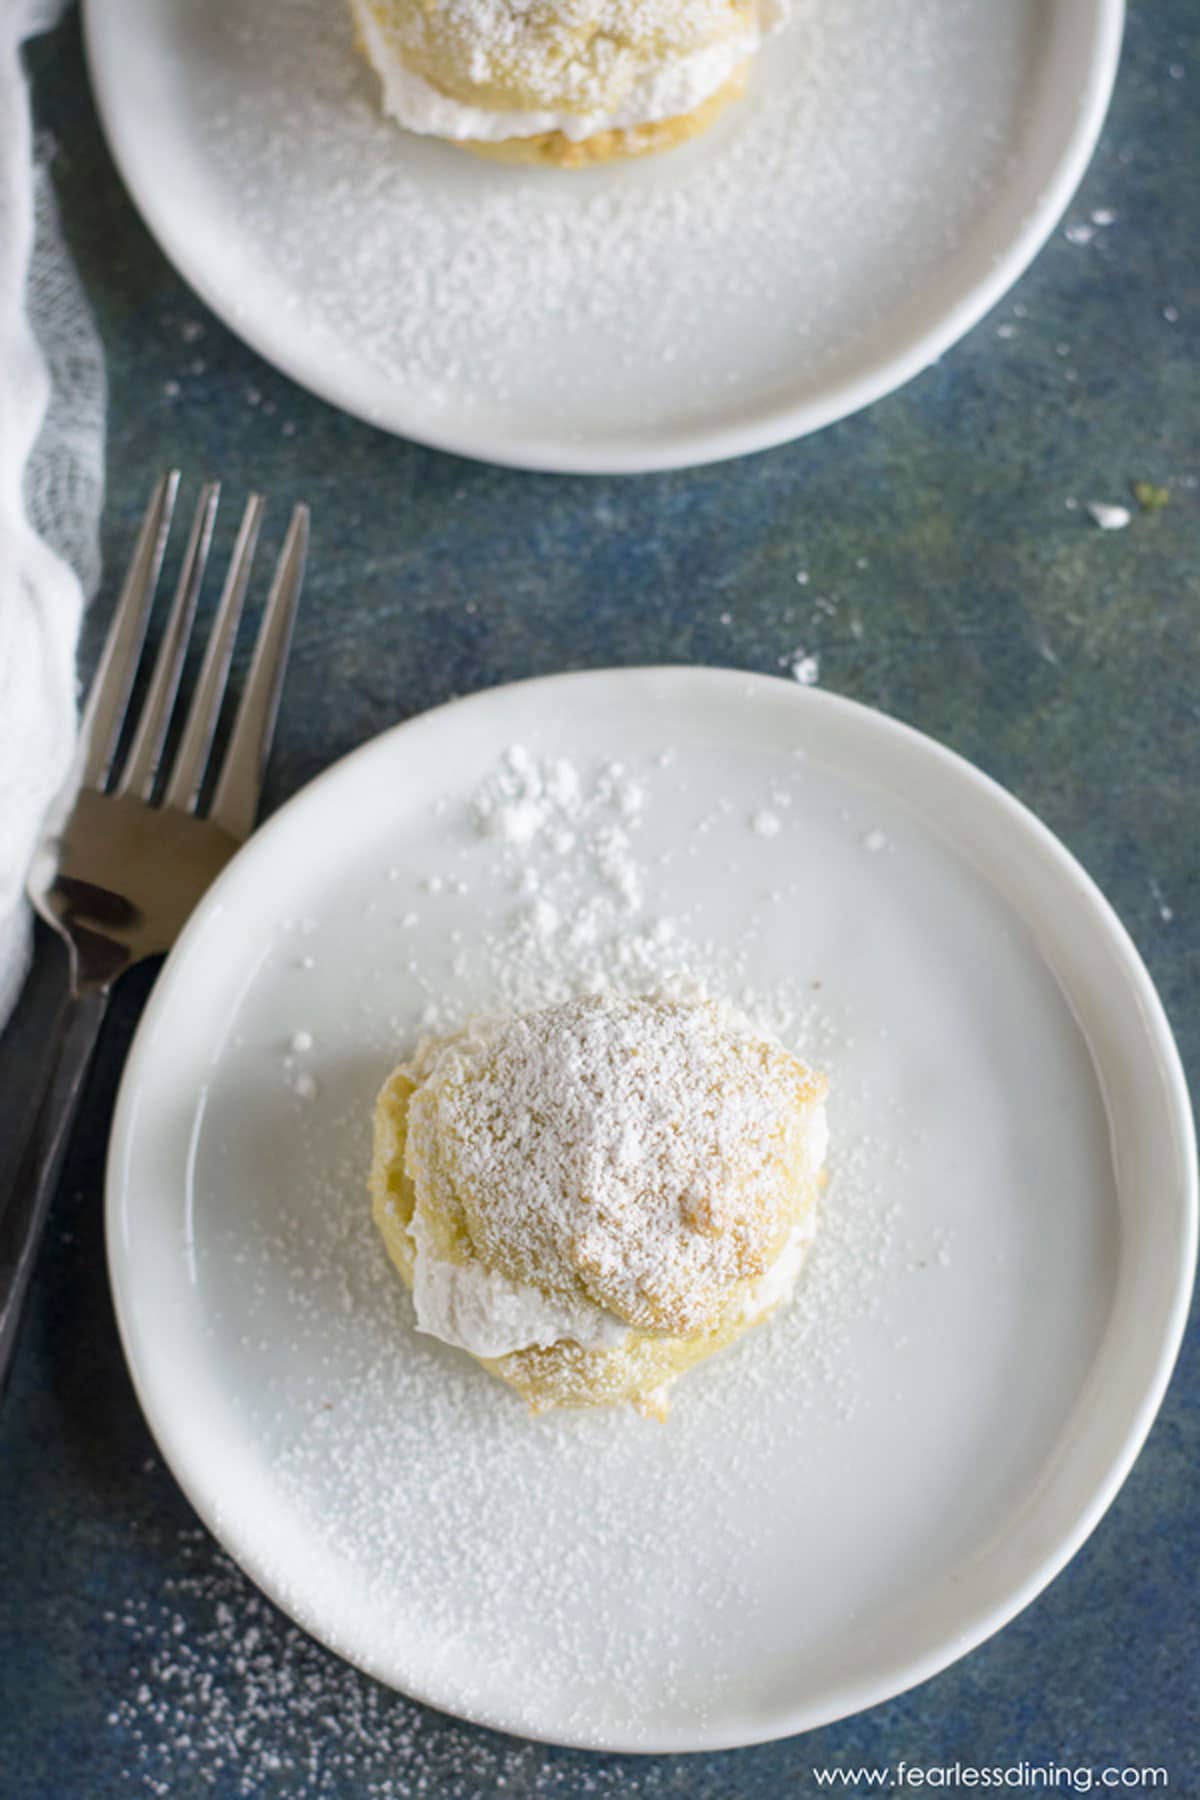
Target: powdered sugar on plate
[
  {"x": 470, "y": 289},
  {"x": 436, "y": 1482},
  {"x": 226, "y": 1697},
  {"x": 595, "y": 1576}
]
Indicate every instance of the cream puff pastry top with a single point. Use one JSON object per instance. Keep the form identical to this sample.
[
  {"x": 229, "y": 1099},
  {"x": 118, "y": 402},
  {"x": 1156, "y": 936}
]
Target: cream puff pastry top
[{"x": 613, "y": 1165}]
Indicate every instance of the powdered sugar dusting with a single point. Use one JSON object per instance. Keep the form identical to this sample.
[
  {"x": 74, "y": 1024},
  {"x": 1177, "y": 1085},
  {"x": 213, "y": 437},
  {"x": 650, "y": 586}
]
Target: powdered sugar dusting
[
  {"x": 222, "y": 1686},
  {"x": 469, "y": 289},
  {"x": 433, "y": 1479},
  {"x": 440, "y": 1483},
  {"x": 527, "y": 802},
  {"x": 595, "y": 1576},
  {"x": 1108, "y": 515},
  {"x": 226, "y": 1697},
  {"x": 637, "y": 1152}
]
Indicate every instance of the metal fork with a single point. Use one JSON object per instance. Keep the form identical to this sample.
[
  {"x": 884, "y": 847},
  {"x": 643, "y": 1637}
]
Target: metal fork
[{"x": 120, "y": 875}]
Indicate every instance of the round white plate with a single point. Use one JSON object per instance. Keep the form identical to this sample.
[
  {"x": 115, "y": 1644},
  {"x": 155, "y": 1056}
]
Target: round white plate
[
  {"x": 893, "y": 170},
  {"x": 853, "y": 1496}
]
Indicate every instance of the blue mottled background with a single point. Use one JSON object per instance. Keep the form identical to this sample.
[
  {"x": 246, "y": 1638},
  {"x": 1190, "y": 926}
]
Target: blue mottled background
[{"x": 993, "y": 615}]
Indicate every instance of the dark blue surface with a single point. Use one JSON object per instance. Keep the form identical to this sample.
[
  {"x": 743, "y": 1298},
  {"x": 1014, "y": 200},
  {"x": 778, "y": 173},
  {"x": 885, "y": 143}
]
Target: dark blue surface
[{"x": 1060, "y": 658}]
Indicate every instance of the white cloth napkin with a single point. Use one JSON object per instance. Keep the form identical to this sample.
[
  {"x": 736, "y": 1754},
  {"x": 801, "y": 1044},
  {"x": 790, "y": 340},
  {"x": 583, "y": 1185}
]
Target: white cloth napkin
[{"x": 52, "y": 403}]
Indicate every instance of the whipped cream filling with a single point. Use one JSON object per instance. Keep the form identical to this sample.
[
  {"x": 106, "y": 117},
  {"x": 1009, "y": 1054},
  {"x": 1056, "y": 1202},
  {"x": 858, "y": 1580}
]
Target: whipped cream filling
[
  {"x": 489, "y": 1314},
  {"x": 677, "y": 86},
  {"x": 776, "y": 1283}
]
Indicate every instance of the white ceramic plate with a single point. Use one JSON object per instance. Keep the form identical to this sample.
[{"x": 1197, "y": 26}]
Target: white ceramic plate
[
  {"x": 894, "y": 169},
  {"x": 849, "y": 1499}
]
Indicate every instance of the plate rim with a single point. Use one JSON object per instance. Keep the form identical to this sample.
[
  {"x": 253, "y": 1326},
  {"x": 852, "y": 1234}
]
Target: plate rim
[
  {"x": 1171, "y": 1324},
  {"x": 771, "y": 427}
]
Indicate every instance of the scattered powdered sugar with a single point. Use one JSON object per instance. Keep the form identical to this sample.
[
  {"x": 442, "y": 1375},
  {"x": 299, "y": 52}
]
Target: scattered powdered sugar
[
  {"x": 516, "y": 822},
  {"x": 227, "y": 1697},
  {"x": 442, "y": 1485},
  {"x": 805, "y": 668},
  {"x": 437, "y": 1512},
  {"x": 584, "y": 921},
  {"x": 528, "y": 802},
  {"x": 1085, "y": 231},
  {"x": 471, "y": 287},
  {"x": 1165, "y": 912},
  {"x": 428, "y": 1467},
  {"x": 524, "y": 797},
  {"x": 766, "y": 824},
  {"x": 1109, "y": 517}
]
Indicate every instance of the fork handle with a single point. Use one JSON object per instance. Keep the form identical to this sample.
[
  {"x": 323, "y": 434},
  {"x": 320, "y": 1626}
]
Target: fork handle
[{"x": 40, "y": 1162}]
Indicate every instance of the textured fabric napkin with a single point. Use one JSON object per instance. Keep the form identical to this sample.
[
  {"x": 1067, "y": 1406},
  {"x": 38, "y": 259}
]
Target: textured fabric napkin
[{"x": 52, "y": 399}]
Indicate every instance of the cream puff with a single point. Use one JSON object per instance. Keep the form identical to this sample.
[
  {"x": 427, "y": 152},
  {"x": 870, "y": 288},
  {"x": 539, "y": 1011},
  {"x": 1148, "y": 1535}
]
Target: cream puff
[
  {"x": 595, "y": 1196},
  {"x": 564, "y": 82}
]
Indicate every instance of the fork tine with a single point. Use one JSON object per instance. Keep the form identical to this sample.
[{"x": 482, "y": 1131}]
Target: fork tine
[
  {"x": 236, "y": 799},
  {"x": 100, "y": 726},
  {"x": 141, "y": 765},
  {"x": 187, "y": 776}
]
